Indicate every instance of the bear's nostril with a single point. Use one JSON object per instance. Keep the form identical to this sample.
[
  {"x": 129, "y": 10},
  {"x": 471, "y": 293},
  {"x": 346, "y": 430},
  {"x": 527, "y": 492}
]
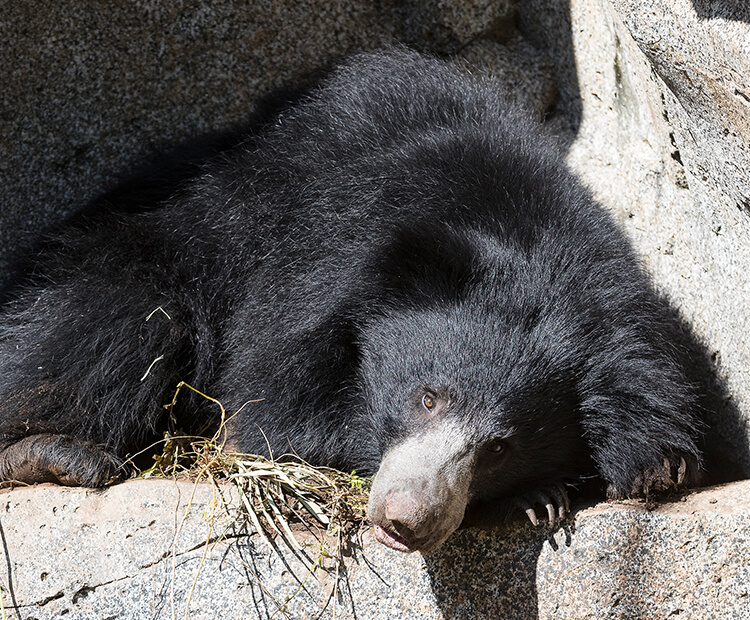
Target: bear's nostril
[{"x": 412, "y": 516}]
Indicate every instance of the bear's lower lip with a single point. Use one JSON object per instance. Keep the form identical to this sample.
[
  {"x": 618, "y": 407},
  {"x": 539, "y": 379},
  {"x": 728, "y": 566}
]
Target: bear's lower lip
[{"x": 391, "y": 539}]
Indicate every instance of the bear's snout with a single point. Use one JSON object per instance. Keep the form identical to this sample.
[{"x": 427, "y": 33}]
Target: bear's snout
[
  {"x": 420, "y": 492},
  {"x": 412, "y": 514},
  {"x": 406, "y": 521},
  {"x": 410, "y": 521}
]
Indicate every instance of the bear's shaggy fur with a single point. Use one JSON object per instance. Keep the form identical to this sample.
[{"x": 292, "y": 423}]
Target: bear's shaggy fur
[{"x": 405, "y": 273}]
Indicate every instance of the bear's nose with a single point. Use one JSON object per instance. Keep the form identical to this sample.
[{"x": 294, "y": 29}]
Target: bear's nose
[{"x": 412, "y": 514}]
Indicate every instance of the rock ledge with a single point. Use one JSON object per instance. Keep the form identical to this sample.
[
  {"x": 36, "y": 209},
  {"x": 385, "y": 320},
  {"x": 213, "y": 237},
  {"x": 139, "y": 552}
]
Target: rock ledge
[{"x": 139, "y": 550}]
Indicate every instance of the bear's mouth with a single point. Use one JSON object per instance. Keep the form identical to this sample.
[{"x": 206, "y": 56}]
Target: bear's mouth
[{"x": 391, "y": 539}]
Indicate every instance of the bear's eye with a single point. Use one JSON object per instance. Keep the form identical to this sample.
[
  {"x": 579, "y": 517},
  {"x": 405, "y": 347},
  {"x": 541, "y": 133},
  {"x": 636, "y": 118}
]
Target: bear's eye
[
  {"x": 496, "y": 446},
  {"x": 428, "y": 402}
]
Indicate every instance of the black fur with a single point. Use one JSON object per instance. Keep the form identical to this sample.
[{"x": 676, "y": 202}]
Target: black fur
[{"x": 398, "y": 230}]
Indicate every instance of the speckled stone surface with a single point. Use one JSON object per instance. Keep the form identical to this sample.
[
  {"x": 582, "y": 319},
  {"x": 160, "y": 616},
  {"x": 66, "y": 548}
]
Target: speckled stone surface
[
  {"x": 678, "y": 560},
  {"x": 138, "y": 550},
  {"x": 691, "y": 216},
  {"x": 522, "y": 73},
  {"x": 701, "y": 51},
  {"x": 446, "y": 26}
]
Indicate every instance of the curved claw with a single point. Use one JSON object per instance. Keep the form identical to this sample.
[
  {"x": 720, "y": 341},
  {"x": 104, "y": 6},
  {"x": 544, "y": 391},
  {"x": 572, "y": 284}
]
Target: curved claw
[
  {"x": 681, "y": 471},
  {"x": 672, "y": 474},
  {"x": 530, "y": 512},
  {"x": 554, "y": 499},
  {"x": 560, "y": 495},
  {"x": 551, "y": 514}
]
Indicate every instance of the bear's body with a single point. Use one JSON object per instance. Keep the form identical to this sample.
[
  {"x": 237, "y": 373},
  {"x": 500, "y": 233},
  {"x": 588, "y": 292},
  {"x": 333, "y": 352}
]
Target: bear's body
[{"x": 407, "y": 276}]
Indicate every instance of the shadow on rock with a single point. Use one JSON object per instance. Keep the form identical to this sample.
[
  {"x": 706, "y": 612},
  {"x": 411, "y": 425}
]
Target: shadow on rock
[{"x": 488, "y": 574}]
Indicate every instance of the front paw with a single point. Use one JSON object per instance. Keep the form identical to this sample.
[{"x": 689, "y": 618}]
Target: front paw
[
  {"x": 60, "y": 459},
  {"x": 671, "y": 475},
  {"x": 490, "y": 513}
]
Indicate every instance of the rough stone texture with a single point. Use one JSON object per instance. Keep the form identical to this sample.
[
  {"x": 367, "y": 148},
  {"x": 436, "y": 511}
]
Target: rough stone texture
[
  {"x": 89, "y": 88},
  {"x": 683, "y": 136},
  {"x": 138, "y": 550},
  {"x": 701, "y": 51},
  {"x": 686, "y": 559},
  {"x": 448, "y": 25}
]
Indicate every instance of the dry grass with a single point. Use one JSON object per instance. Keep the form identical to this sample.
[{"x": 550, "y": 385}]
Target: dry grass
[
  {"x": 274, "y": 491},
  {"x": 277, "y": 498}
]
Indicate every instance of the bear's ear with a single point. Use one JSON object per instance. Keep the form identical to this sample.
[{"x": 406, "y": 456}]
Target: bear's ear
[{"x": 427, "y": 263}]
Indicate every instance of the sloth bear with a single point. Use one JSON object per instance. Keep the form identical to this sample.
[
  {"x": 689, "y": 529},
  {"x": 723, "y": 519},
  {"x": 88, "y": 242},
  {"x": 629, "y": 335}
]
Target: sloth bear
[{"x": 404, "y": 273}]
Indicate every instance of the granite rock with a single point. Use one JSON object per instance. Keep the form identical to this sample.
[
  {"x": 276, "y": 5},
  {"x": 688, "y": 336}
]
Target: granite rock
[
  {"x": 91, "y": 89},
  {"x": 160, "y": 549},
  {"x": 701, "y": 52},
  {"x": 520, "y": 70},
  {"x": 447, "y": 26}
]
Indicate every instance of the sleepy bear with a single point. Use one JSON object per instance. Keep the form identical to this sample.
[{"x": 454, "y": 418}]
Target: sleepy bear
[{"x": 403, "y": 277}]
